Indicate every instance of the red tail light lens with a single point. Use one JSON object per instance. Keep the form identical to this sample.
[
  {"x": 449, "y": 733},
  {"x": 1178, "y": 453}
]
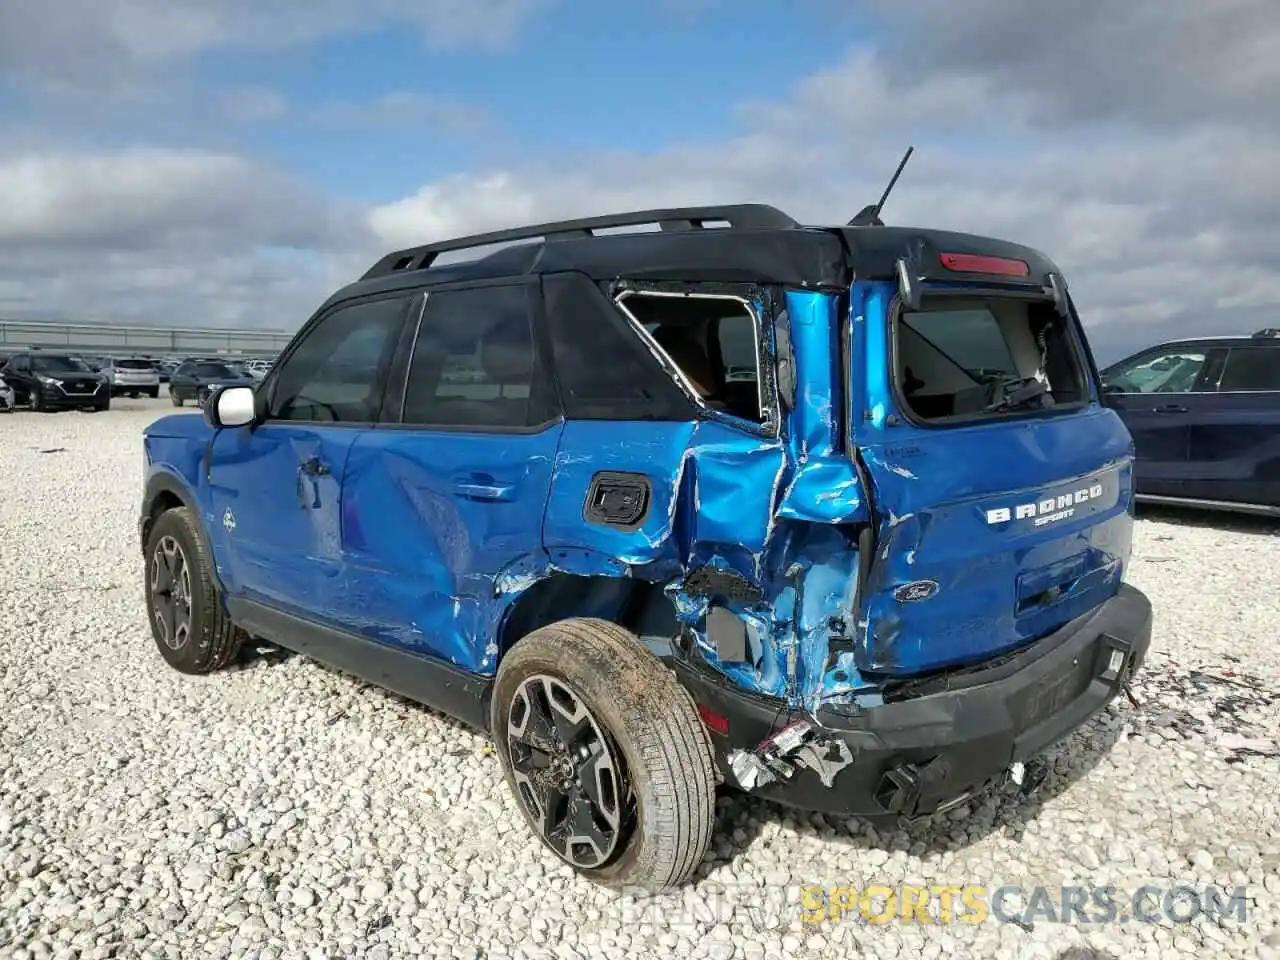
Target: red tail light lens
[
  {"x": 716, "y": 722},
  {"x": 976, "y": 263}
]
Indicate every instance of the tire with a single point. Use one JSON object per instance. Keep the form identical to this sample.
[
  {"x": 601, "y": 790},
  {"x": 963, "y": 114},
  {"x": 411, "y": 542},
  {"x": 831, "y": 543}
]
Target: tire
[
  {"x": 211, "y": 641},
  {"x": 664, "y": 783},
  {"x": 175, "y": 399},
  {"x": 154, "y": 394},
  {"x": 35, "y": 402},
  {"x": 102, "y": 405}
]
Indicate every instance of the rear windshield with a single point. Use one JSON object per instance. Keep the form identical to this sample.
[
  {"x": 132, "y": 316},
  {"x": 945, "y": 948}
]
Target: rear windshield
[
  {"x": 132, "y": 364},
  {"x": 212, "y": 370},
  {"x": 52, "y": 363},
  {"x": 961, "y": 358}
]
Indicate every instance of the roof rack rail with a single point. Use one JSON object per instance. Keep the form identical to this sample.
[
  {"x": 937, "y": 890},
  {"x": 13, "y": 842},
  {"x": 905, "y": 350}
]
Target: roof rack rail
[
  {"x": 1268, "y": 332},
  {"x": 741, "y": 216}
]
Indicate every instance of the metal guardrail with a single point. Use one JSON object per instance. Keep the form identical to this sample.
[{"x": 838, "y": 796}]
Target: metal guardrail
[{"x": 97, "y": 338}]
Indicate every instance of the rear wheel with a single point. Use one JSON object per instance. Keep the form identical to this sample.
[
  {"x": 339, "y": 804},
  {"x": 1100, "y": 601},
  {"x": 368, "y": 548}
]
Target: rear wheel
[
  {"x": 605, "y": 754},
  {"x": 153, "y": 393},
  {"x": 191, "y": 629}
]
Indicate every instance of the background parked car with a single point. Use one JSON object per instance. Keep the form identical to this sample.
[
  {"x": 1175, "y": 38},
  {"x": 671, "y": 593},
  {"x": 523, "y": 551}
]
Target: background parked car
[
  {"x": 1205, "y": 420},
  {"x": 193, "y": 379},
  {"x": 257, "y": 368},
  {"x": 55, "y": 381},
  {"x": 131, "y": 376}
]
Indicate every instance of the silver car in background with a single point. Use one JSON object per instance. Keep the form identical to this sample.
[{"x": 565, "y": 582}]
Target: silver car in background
[{"x": 131, "y": 376}]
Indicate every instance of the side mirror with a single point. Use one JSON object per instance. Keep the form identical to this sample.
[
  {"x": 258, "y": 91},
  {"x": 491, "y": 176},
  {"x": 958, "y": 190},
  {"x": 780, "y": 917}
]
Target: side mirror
[
  {"x": 231, "y": 407},
  {"x": 1111, "y": 388}
]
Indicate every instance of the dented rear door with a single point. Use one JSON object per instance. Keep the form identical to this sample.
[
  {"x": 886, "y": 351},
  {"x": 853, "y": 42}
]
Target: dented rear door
[{"x": 988, "y": 533}]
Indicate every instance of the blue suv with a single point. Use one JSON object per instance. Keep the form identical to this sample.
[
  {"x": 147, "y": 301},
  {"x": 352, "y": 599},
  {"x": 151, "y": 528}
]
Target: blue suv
[{"x": 831, "y": 515}]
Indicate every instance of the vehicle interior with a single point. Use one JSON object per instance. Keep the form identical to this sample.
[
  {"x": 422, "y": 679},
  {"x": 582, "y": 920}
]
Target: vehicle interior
[
  {"x": 958, "y": 356},
  {"x": 712, "y": 341}
]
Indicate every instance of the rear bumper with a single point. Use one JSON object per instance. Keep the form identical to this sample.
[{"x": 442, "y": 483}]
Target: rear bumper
[{"x": 955, "y": 736}]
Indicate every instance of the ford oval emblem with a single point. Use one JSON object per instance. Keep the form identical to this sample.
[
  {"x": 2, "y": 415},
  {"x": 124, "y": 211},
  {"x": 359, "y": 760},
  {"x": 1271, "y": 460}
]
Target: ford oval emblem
[{"x": 919, "y": 590}]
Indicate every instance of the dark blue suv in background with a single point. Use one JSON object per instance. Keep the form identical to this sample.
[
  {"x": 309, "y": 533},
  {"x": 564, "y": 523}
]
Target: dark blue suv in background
[
  {"x": 833, "y": 515},
  {"x": 1205, "y": 419}
]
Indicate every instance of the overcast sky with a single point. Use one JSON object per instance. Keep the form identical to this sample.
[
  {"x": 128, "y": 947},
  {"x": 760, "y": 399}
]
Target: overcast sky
[{"x": 228, "y": 162}]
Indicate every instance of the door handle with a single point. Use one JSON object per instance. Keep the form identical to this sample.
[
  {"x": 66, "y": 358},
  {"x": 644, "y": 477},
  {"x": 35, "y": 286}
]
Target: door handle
[
  {"x": 484, "y": 488},
  {"x": 310, "y": 469},
  {"x": 1170, "y": 408}
]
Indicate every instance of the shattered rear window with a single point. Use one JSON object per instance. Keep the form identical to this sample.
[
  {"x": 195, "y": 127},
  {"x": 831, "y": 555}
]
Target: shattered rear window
[{"x": 975, "y": 357}]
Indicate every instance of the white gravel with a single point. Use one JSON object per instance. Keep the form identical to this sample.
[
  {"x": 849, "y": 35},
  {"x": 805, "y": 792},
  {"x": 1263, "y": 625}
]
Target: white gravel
[{"x": 283, "y": 810}]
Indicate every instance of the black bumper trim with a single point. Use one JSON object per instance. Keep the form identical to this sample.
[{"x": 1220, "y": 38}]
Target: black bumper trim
[{"x": 914, "y": 755}]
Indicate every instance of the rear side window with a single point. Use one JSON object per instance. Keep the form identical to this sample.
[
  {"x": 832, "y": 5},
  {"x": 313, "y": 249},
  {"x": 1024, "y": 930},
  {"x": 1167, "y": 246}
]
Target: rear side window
[
  {"x": 474, "y": 362},
  {"x": 1251, "y": 368},
  {"x": 1174, "y": 370},
  {"x": 975, "y": 357},
  {"x": 604, "y": 369}
]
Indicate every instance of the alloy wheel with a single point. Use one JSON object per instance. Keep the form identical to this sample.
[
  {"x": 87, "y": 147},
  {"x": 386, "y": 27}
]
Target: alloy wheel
[
  {"x": 171, "y": 593},
  {"x": 567, "y": 772}
]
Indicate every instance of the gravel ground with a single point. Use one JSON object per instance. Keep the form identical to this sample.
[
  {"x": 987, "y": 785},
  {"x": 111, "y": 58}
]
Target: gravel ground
[{"x": 284, "y": 810}]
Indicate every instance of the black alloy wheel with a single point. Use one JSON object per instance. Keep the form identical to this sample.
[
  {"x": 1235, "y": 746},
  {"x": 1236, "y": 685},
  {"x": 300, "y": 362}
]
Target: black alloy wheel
[
  {"x": 171, "y": 593},
  {"x": 567, "y": 772}
]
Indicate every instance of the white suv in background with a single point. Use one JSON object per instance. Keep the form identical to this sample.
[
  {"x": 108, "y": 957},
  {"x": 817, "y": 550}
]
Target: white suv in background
[{"x": 133, "y": 376}]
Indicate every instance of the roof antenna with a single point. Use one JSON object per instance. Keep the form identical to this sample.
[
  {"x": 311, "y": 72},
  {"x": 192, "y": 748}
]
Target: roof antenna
[{"x": 869, "y": 216}]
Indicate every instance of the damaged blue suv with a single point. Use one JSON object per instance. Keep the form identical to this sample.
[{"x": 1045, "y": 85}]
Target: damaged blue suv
[{"x": 831, "y": 515}]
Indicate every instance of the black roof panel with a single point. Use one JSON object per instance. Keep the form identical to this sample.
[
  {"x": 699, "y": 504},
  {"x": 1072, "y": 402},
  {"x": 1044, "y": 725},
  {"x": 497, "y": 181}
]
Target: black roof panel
[{"x": 761, "y": 244}]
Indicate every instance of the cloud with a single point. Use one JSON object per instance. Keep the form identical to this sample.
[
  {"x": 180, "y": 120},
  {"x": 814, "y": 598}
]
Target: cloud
[
  {"x": 1165, "y": 227},
  {"x": 167, "y": 236},
  {"x": 84, "y": 41},
  {"x": 252, "y": 104},
  {"x": 405, "y": 109},
  {"x": 1162, "y": 216},
  {"x": 1159, "y": 62}
]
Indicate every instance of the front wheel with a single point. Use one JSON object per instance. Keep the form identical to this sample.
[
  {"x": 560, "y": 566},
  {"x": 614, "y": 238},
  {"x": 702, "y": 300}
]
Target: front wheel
[
  {"x": 605, "y": 754},
  {"x": 175, "y": 399},
  {"x": 36, "y": 402},
  {"x": 191, "y": 629}
]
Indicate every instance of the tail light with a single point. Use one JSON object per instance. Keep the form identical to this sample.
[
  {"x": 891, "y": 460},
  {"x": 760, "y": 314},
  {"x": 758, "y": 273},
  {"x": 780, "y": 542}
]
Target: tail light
[{"x": 715, "y": 722}]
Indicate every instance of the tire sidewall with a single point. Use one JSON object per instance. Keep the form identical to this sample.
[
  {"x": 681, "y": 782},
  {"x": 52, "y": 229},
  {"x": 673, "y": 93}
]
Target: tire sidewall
[
  {"x": 589, "y": 681},
  {"x": 194, "y": 656}
]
